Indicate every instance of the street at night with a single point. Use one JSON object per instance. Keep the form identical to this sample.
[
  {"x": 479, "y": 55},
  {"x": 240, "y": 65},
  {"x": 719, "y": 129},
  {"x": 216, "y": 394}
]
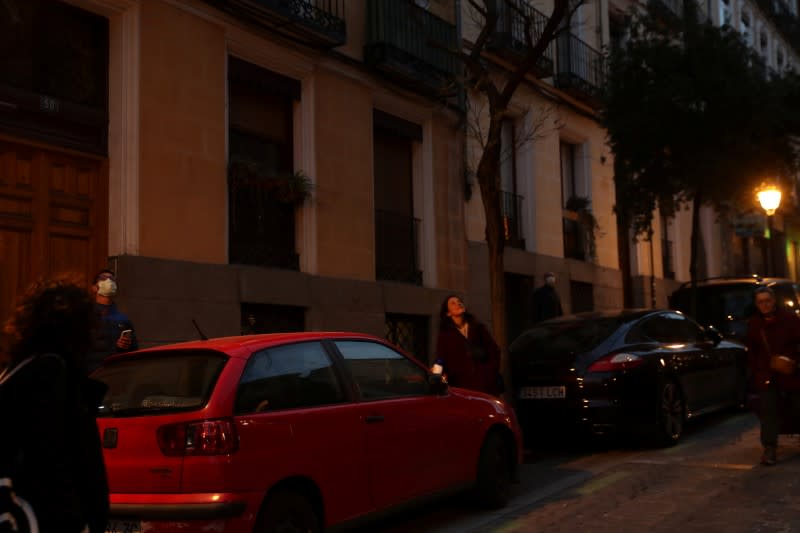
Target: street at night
[{"x": 711, "y": 481}]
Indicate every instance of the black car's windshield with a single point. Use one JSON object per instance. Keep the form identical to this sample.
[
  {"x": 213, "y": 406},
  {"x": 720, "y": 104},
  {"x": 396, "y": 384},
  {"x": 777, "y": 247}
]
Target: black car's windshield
[
  {"x": 550, "y": 339},
  {"x": 159, "y": 382},
  {"x": 718, "y": 303}
]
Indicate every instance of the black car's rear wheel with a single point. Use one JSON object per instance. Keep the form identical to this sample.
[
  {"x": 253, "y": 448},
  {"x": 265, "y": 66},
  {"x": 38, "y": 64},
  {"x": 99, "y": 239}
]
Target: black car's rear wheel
[
  {"x": 671, "y": 413},
  {"x": 288, "y": 511}
]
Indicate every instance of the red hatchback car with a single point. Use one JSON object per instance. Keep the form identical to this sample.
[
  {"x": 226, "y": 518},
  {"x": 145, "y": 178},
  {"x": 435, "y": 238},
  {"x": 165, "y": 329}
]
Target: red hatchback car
[{"x": 290, "y": 432}]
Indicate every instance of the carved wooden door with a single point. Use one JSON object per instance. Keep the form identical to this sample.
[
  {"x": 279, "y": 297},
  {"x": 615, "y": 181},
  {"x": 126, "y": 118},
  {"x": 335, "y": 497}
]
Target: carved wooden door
[{"x": 53, "y": 216}]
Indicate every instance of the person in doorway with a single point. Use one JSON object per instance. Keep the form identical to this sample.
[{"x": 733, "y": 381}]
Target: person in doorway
[
  {"x": 251, "y": 325},
  {"x": 771, "y": 333},
  {"x": 546, "y": 303},
  {"x": 114, "y": 331},
  {"x": 50, "y": 453},
  {"x": 466, "y": 351}
]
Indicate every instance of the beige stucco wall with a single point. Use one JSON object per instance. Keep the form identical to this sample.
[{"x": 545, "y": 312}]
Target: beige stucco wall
[
  {"x": 182, "y": 186},
  {"x": 344, "y": 196}
]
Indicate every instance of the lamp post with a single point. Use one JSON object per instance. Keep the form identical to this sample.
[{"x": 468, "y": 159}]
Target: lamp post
[{"x": 770, "y": 199}]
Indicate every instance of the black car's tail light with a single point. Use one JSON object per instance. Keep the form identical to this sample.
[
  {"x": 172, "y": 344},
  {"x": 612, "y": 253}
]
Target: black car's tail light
[
  {"x": 616, "y": 361},
  {"x": 204, "y": 437}
]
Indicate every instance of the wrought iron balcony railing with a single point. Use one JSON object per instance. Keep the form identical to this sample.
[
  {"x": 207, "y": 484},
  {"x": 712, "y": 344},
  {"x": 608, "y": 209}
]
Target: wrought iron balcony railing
[
  {"x": 513, "y": 17},
  {"x": 317, "y": 21},
  {"x": 580, "y": 70},
  {"x": 409, "y": 43},
  {"x": 396, "y": 247},
  {"x": 511, "y": 210}
]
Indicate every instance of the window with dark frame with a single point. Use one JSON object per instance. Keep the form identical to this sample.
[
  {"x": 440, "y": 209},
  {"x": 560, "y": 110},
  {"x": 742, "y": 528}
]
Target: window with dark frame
[
  {"x": 269, "y": 318},
  {"x": 410, "y": 333},
  {"x": 667, "y": 249},
  {"x": 396, "y": 228},
  {"x": 574, "y": 239},
  {"x": 55, "y": 82},
  {"x": 510, "y": 200},
  {"x": 260, "y": 154}
]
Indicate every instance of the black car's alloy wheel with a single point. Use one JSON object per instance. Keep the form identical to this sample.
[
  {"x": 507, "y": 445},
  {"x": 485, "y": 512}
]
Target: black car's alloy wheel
[
  {"x": 493, "y": 487},
  {"x": 288, "y": 512},
  {"x": 671, "y": 413}
]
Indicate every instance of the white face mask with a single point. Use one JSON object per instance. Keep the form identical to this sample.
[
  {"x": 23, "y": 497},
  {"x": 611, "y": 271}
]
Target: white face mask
[
  {"x": 107, "y": 288},
  {"x": 550, "y": 280}
]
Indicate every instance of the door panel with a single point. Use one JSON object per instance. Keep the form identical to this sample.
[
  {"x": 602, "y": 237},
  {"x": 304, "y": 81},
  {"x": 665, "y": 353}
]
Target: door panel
[{"x": 52, "y": 216}]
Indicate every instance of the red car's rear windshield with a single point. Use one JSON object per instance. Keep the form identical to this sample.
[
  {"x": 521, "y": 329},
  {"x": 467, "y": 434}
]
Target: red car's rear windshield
[{"x": 159, "y": 382}]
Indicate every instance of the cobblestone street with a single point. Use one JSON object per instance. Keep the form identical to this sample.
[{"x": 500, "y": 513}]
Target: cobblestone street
[{"x": 710, "y": 482}]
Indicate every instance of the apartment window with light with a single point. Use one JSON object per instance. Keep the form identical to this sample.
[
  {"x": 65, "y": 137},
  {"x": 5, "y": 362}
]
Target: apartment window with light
[{"x": 510, "y": 200}]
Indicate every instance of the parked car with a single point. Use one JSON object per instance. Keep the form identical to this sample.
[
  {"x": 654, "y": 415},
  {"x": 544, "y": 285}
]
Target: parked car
[
  {"x": 727, "y": 303},
  {"x": 630, "y": 370},
  {"x": 273, "y": 432}
]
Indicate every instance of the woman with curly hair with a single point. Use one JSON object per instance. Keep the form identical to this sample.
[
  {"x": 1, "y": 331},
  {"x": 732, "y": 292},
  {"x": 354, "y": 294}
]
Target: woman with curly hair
[{"x": 50, "y": 447}]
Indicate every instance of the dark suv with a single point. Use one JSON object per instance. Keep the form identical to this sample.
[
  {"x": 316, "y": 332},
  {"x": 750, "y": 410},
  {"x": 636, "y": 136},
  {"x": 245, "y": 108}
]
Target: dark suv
[{"x": 727, "y": 303}]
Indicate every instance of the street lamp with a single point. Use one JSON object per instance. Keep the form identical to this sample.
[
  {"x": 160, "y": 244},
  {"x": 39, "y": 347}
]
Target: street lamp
[{"x": 770, "y": 199}]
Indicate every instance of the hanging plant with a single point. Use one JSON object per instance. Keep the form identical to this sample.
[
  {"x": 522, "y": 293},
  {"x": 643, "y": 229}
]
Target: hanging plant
[
  {"x": 291, "y": 188},
  {"x": 582, "y": 207}
]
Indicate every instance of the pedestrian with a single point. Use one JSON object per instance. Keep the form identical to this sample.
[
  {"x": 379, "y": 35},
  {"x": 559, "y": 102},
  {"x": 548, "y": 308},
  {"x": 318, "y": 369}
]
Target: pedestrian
[
  {"x": 114, "y": 331},
  {"x": 773, "y": 336},
  {"x": 50, "y": 449},
  {"x": 546, "y": 303},
  {"x": 251, "y": 325},
  {"x": 466, "y": 351}
]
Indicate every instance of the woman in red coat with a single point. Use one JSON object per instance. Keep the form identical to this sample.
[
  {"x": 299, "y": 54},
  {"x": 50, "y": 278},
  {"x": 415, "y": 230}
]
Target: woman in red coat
[
  {"x": 466, "y": 349},
  {"x": 772, "y": 332}
]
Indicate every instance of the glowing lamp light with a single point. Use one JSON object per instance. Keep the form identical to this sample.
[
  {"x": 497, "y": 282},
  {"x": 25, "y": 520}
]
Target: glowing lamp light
[{"x": 770, "y": 199}]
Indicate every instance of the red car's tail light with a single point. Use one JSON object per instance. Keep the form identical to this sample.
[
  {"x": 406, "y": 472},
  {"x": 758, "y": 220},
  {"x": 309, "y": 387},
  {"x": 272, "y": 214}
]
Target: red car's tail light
[
  {"x": 616, "y": 361},
  {"x": 205, "y": 437}
]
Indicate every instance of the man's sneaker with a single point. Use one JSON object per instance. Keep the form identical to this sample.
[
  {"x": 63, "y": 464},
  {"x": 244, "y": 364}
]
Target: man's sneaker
[{"x": 769, "y": 456}]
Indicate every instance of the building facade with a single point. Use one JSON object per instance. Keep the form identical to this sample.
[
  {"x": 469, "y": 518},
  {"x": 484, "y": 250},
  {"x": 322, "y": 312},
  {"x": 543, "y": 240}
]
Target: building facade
[{"x": 291, "y": 161}]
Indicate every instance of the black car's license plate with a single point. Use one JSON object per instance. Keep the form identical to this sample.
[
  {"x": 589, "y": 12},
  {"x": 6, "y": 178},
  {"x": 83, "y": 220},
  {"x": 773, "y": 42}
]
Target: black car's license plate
[
  {"x": 542, "y": 393},
  {"x": 124, "y": 526}
]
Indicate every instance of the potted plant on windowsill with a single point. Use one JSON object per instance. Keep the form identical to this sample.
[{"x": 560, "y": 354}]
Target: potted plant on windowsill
[{"x": 289, "y": 188}]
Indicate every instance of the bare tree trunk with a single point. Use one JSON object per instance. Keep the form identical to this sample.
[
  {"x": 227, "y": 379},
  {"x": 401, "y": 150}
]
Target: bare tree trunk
[
  {"x": 696, "y": 204},
  {"x": 489, "y": 180}
]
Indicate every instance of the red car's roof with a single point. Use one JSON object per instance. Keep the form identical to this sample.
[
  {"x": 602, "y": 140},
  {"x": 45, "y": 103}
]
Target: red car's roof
[{"x": 243, "y": 345}]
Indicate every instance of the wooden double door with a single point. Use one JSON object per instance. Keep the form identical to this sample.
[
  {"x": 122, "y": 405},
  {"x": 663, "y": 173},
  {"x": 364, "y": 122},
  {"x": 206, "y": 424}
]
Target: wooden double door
[{"x": 53, "y": 216}]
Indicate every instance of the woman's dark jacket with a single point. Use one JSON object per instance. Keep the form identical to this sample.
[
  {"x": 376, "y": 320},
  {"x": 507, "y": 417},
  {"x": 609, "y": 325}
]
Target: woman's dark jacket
[
  {"x": 782, "y": 332},
  {"x": 50, "y": 446},
  {"x": 470, "y": 365}
]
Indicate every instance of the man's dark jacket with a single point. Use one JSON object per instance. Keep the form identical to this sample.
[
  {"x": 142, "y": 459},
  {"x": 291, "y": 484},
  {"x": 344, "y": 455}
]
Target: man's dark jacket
[
  {"x": 111, "y": 322},
  {"x": 778, "y": 334},
  {"x": 546, "y": 304}
]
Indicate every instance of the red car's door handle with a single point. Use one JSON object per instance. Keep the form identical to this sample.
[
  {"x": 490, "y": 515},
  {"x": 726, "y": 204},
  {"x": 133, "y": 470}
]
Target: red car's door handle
[{"x": 373, "y": 419}]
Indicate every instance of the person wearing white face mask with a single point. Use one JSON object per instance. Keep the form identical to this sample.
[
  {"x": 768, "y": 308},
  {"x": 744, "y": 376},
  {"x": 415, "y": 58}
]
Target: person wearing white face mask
[{"x": 114, "y": 331}]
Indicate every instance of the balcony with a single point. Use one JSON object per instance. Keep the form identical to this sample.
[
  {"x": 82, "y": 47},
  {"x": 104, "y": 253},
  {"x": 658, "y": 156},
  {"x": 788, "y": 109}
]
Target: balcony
[
  {"x": 783, "y": 17},
  {"x": 511, "y": 210},
  {"x": 580, "y": 69},
  {"x": 396, "y": 247},
  {"x": 510, "y": 40},
  {"x": 411, "y": 45},
  {"x": 317, "y": 22}
]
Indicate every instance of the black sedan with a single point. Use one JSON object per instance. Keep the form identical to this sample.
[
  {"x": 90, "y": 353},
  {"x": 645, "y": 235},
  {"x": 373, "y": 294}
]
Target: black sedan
[{"x": 632, "y": 370}]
